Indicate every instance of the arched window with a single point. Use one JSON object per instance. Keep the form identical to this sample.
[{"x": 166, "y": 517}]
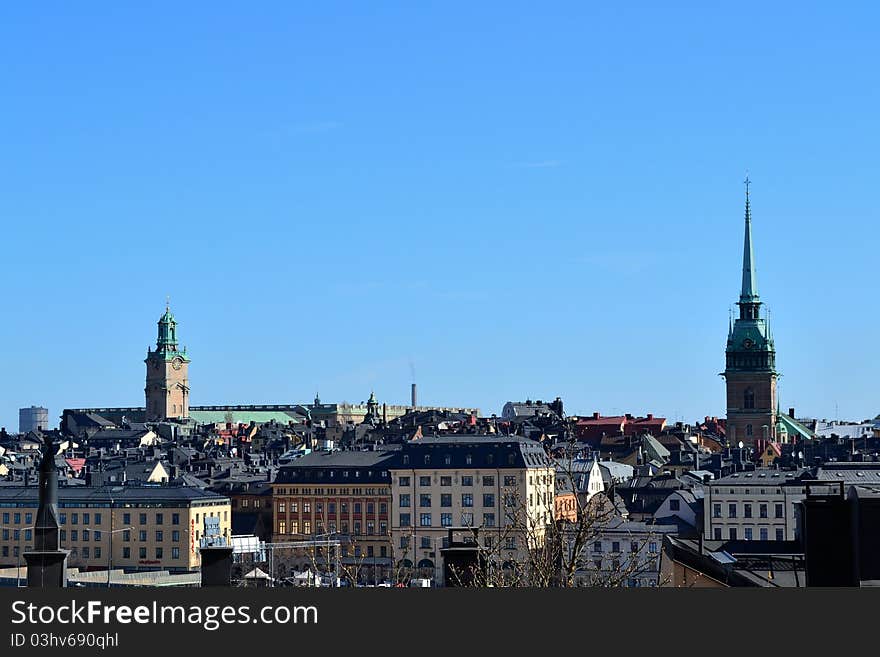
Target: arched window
[{"x": 749, "y": 398}]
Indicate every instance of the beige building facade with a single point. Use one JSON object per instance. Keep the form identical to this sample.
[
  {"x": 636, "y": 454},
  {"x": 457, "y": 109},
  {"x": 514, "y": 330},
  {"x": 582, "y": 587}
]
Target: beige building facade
[{"x": 145, "y": 528}]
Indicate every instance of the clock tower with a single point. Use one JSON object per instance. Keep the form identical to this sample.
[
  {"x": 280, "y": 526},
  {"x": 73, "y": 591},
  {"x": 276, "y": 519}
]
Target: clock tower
[
  {"x": 751, "y": 360},
  {"x": 167, "y": 389}
]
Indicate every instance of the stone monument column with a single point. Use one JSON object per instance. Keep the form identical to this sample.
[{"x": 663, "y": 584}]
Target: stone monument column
[{"x": 47, "y": 563}]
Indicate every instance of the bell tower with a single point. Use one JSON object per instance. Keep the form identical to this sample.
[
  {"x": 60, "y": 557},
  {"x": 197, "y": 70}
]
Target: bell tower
[
  {"x": 167, "y": 389},
  {"x": 750, "y": 372}
]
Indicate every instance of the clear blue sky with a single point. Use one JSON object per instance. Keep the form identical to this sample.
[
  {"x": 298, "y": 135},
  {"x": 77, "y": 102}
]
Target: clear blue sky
[{"x": 520, "y": 200}]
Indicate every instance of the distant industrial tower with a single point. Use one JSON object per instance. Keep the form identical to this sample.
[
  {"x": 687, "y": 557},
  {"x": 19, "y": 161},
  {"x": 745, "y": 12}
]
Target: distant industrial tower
[
  {"x": 33, "y": 418},
  {"x": 751, "y": 360},
  {"x": 167, "y": 389}
]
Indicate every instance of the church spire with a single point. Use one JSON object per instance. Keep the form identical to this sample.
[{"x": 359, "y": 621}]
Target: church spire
[{"x": 749, "y": 292}]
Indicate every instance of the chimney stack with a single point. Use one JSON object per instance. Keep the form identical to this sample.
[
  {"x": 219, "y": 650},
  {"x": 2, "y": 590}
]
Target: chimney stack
[
  {"x": 791, "y": 412},
  {"x": 413, "y": 394}
]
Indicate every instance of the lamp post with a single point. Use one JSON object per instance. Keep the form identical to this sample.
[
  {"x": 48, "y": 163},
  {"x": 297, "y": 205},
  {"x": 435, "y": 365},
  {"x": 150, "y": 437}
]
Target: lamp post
[{"x": 110, "y": 547}]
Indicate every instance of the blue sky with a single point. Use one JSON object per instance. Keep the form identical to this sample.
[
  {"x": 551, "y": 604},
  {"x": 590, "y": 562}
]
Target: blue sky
[{"x": 510, "y": 200}]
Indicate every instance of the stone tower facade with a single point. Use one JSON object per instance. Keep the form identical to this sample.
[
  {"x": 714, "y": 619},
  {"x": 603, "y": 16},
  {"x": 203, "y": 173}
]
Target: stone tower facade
[
  {"x": 167, "y": 389},
  {"x": 750, "y": 372}
]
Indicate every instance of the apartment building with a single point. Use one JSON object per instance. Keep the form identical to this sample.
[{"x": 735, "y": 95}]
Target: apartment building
[
  {"x": 342, "y": 494},
  {"x": 127, "y": 527},
  {"x": 759, "y": 505},
  {"x": 503, "y": 485}
]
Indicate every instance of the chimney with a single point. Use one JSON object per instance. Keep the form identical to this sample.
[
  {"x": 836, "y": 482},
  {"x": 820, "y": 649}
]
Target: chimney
[
  {"x": 384, "y": 413},
  {"x": 650, "y": 416},
  {"x": 596, "y": 415},
  {"x": 791, "y": 411},
  {"x": 413, "y": 394}
]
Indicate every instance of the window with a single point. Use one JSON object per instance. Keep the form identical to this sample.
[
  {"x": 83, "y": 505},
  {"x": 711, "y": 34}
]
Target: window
[
  {"x": 307, "y": 507},
  {"x": 749, "y": 398},
  {"x": 126, "y": 535},
  {"x": 404, "y": 520},
  {"x": 489, "y": 500},
  {"x": 749, "y": 430},
  {"x": 142, "y": 553},
  {"x": 160, "y": 518},
  {"x": 780, "y": 534},
  {"x": 404, "y": 499},
  {"x": 424, "y": 481},
  {"x": 488, "y": 520},
  {"x": 424, "y": 500},
  {"x": 446, "y": 520},
  {"x": 85, "y": 534},
  {"x": 97, "y": 552},
  {"x": 74, "y": 518},
  {"x": 96, "y": 535},
  {"x": 597, "y": 546},
  {"x": 426, "y": 542},
  {"x": 779, "y": 513},
  {"x": 509, "y": 480},
  {"x": 29, "y": 518},
  {"x": 467, "y": 480},
  {"x": 142, "y": 536},
  {"x": 763, "y": 533},
  {"x": 175, "y": 553},
  {"x": 294, "y": 526},
  {"x": 732, "y": 533},
  {"x": 126, "y": 518},
  {"x": 716, "y": 510},
  {"x": 403, "y": 481},
  {"x": 281, "y": 507},
  {"x": 633, "y": 546},
  {"x": 445, "y": 481},
  {"x": 357, "y": 527},
  {"x": 97, "y": 520},
  {"x": 307, "y": 526},
  {"x": 371, "y": 509},
  {"x": 716, "y": 534},
  {"x": 731, "y": 510},
  {"x": 467, "y": 519},
  {"x": 175, "y": 535},
  {"x": 74, "y": 535},
  {"x": 467, "y": 499},
  {"x": 747, "y": 510},
  {"x": 762, "y": 510},
  {"x": 6, "y": 518},
  {"x": 510, "y": 543},
  {"x": 159, "y": 536},
  {"x": 404, "y": 542},
  {"x": 126, "y": 553},
  {"x": 175, "y": 518},
  {"x": 675, "y": 504},
  {"x": 446, "y": 499},
  {"x": 488, "y": 481},
  {"x": 615, "y": 546},
  {"x": 748, "y": 533},
  {"x": 425, "y": 520}
]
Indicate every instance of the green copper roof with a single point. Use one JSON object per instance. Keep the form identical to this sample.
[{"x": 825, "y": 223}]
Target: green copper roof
[
  {"x": 749, "y": 292},
  {"x": 787, "y": 424}
]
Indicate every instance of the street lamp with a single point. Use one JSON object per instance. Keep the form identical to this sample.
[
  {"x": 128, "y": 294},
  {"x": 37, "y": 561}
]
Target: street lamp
[{"x": 110, "y": 547}]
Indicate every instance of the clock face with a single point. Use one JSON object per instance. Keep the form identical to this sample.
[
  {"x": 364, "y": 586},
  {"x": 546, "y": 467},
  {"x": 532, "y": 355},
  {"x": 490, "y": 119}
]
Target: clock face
[
  {"x": 748, "y": 343},
  {"x": 176, "y": 363}
]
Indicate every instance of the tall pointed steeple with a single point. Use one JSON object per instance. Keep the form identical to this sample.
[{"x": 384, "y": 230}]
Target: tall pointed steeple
[{"x": 749, "y": 292}]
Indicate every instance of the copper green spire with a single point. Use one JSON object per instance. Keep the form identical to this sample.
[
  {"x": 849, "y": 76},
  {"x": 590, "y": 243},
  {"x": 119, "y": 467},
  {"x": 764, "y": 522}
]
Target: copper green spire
[
  {"x": 749, "y": 292},
  {"x": 167, "y": 339}
]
